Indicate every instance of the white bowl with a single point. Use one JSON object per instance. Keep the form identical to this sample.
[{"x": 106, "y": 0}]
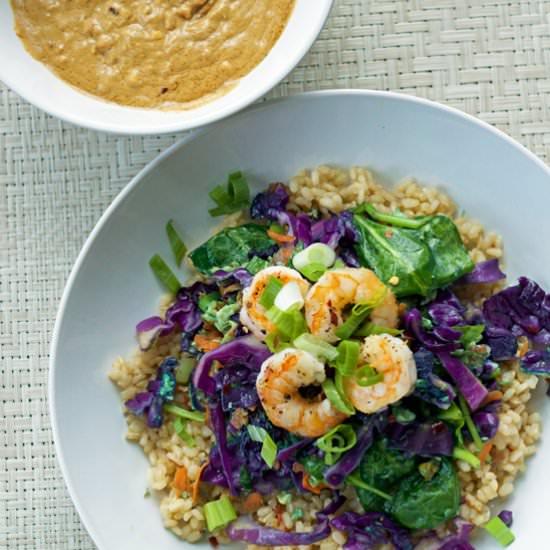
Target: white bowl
[
  {"x": 111, "y": 286},
  {"x": 41, "y": 87}
]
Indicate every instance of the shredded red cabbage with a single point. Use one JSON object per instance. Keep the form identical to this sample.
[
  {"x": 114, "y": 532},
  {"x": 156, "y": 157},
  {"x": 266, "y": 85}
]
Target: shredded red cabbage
[
  {"x": 368, "y": 531},
  {"x": 421, "y": 439},
  {"x": 536, "y": 362},
  {"x": 430, "y": 387},
  {"x": 413, "y": 326},
  {"x": 507, "y": 517},
  {"x": 486, "y": 423},
  {"x": 241, "y": 275},
  {"x": 483, "y": 272}
]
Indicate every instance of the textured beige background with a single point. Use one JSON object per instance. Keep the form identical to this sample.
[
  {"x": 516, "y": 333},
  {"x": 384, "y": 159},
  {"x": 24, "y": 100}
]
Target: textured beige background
[{"x": 490, "y": 58}]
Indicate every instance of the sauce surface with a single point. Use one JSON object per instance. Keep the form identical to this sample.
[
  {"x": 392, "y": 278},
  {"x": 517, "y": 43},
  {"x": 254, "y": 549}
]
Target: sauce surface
[{"x": 151, "y": 53}]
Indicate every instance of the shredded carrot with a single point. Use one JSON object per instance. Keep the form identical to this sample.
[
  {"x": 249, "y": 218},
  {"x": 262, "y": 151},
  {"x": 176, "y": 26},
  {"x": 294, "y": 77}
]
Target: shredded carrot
[
  {"x": 252, "y": 503},
  {"x": 205, "y": 344},
  {"x": 181, "y": 481},
  {"x": 278, "y": 238},
  {"x": 313, "y": 488},
  {"x": 494, "y": 395},
  {"x": 485, "y": 452},
  {"x": 284, "y": 254},
  {"x": 279, "y": 511},
  {"x": 197, "y": 482},
  {"x": 523, "y": 347}
]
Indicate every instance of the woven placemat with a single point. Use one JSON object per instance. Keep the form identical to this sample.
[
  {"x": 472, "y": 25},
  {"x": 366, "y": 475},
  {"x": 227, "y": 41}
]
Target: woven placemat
[{"x": 488, "y": 57}]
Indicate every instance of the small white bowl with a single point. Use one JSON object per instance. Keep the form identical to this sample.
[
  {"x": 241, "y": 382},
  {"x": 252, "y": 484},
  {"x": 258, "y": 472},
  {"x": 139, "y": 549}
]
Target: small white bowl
[
  {"x": 111, "y": 286},
  {"x": 41, "y": 87}
]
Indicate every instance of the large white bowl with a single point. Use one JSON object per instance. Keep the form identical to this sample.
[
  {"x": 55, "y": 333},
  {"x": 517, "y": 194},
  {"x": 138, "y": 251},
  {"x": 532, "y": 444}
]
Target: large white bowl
[
  {"x": 111, "y": 286},
  {"x": 38, "y": 85}
]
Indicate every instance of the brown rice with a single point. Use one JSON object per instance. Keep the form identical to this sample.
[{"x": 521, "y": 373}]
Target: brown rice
[{"x": 333, "y": 190}]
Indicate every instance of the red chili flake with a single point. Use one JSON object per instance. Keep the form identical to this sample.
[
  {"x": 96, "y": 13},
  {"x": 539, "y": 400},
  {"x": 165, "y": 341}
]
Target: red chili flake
[
  {"x": 438, "y": 427},
  {"x": 388, "y": 234},
  {"x": 213, "y": 542}
]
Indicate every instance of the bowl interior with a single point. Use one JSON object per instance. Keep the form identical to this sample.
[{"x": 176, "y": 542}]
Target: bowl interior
[
  {"x": 111, "y": 288},
  {"x": 32, "y": 80}
]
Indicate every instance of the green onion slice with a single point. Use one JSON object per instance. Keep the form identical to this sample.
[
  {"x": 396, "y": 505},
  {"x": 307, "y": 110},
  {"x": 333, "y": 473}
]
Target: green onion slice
[
  {"x": 318, "y": 253},
  {"x": 184, "y": 413},
  {"x": 359, "y": 312},
  {"x": 367, "y": 376},
  {"x": 500, "y": 531},
  {"x": 284, "y": 498},
  {"x": 164, "y": 274},
  {"x": 470, "y": 423},
  {"x": 339, "y": 401},
  {"x": 348, "y": 356},
  {"x": 313, "y": 271},
  {"x": 176, "y": 243},
  {"x": 232, "y": 199},
  {"x": 368, "y": 329},
  {"x": 219, "y": 513},
  {"x": 462, "y": 454},
  {"x": 271, "y": 289},
  {"x": 269, "y": 447},
  {"x": 339, "y": 385},
  {"x": 317, "y": 347},
  {"x": 184, "y": 369},
  {"x": 340, "y": 439},
  {"x": 179, "y": 428},
  {"x": 355, "y": 480},
  {"x": 289, "y": 324}
]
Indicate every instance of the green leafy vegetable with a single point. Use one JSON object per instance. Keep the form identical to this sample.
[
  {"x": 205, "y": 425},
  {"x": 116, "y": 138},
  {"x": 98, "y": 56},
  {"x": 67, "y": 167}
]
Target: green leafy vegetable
[
  {"x": 164, "y": 274},
  {"x": 425, "y": 504},
  {"x": 500, "y": 531},
  {"x": 233, "y": 198},
  {"x": 176, "y": 243},
  {"x": 356, "y": 481},
  {"x": 256, "y": 264},
  {"x": 424, "y": 253},
  {"x": 231, "y": 248},
  {"x": 219, "y": 513},
  {"x": 471, "y": 334},
  {"x": 383, "y": 468},
  {"x": 314, "y": 467}
]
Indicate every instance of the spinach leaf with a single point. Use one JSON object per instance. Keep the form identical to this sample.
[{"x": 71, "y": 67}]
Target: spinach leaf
[
  {"x": 425, "y": 504},
  {"x": 314, "y": 466},
  {"x": 424, "y": 253},
  {"x": 231, "y": 248},
  {"x": 382, "y": 468},
  {"x": 452, "y": 260},
  {"x": 395, "y": 252}
]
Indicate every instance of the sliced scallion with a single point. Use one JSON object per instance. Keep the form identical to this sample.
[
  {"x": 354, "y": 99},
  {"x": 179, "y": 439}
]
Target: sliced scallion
[
  {"x": 269, "y": 447},
  {"x": 368, "y": 329},
  {"x": 500, "y": 531},
  {"x": 219, "y": 513},
  {"x": 340, "y": 439},
  {"x": 231, "y": 199},
  {"x": 289, "y": 324},
  {"x": 184, "y": 413},
  {"x": 313, "y": 271},
  {"x": 318, "y": 253},
  {"x": 289, "y": 297},
  {"x": 466, "y": 456},
  {"x": 333, "y": 395},
  {"x": 470, "y": 423},
  {"x": 180, "y": 429},
  {"x": 339, "y": 385},
  {"x": 359, "y": 312},
  {"x": 354, "y": 479},
  {"x": 348, "y": 356},
  {"x": 164, "y": 274},
  {"x": 367, "y": 376},
  {"x": 317, "y": 347},
  {"x": 176, "y": 242},
  {"x": 184, "y": 369},
  {"x": 284, "y": 498},
  {"x": 271, "y": 289}
]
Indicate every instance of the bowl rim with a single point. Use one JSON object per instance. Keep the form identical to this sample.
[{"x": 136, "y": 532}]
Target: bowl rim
[
  {"x": 241, "y": 102},
  {"x": 343, "y": 94}
]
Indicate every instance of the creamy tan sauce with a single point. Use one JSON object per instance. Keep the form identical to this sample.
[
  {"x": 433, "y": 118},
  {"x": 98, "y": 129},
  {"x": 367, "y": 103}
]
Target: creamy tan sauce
[{"x": 151, "y": 53}]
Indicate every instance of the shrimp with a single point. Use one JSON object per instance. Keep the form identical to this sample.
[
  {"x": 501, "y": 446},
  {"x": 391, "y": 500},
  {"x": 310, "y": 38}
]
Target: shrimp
[
  {"x": 289, "y": 389},
  {"x": 253, "y": 314},
  {"x": 339, "y": 288},
  {"x": 392, "y": 357}
]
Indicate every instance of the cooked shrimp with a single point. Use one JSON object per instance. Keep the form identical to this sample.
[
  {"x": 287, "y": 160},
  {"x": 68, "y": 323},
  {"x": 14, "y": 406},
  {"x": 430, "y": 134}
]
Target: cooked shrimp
[
  {"x": 338, "y": 289},
  {"x": 289, "y": 389},
  {"x": 252, "y": 312},
  {"x": 392, "y": 357}
]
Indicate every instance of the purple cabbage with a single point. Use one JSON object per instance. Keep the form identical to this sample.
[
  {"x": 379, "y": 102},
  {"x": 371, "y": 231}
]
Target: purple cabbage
[
  {"x": 430, "y": 387},
  {"x": 217, "y": 422},
  {"x": 503, "y": 343},
  {"x": 331, "y": 231},
  {"x": 349, "y": 461},
  {"x": 413, "y": 326},
  {"x": 240, "y": 275},
  {"x": 536, "y": 362},
  {"x": 159, "y": 391},
  {"x": 483, "y": 272},
  {"x": 288, "y": 452},
  {"x": 460, "y": 540},
  {"x": 184, "y": 313},
  {"x": 246, "y": 351},
  {"x": 368, "y": 531},
  {"x": 473, "y": 390},
  {"x": 507, "y": 517},
  {"x": 271, "y": 205},
  {"x": 426, "y": 439},
  {"x": 486, "y": 423},
  {"x": 236, "y": 386}
]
